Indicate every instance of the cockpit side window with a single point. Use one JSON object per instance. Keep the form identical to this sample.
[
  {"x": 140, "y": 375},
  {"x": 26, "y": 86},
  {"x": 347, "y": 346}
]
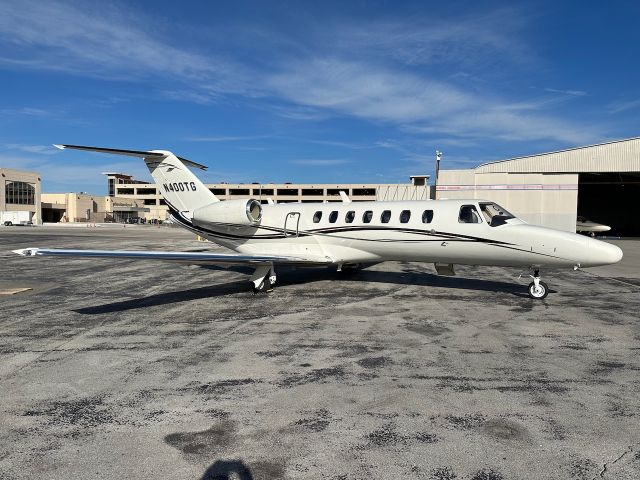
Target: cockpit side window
[
  {"x": 494, "y": 214},
  {"x": 469, "y": 214}
]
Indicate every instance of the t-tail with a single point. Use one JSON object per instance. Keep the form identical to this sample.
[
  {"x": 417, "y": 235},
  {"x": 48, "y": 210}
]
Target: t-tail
[{"x": 181, "y": 189}]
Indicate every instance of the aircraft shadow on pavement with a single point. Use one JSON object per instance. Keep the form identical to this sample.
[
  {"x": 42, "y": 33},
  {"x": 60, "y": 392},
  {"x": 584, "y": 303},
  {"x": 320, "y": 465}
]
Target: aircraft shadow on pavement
[{"x": 304, "y": 276}]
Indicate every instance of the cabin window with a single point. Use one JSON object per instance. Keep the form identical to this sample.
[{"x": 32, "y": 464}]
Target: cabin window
[
  {"x": 385, "y": 216},
  {"x": 427, "y": 216},
  {"x": 367, "y": 216},
  {"x": 317, "y": 217},
  {"x": 350, "y": 216},
  {"x": 333, "y": 216},
  {"x": 469, "y": 214},
  {"x": 405, "y": 215}
]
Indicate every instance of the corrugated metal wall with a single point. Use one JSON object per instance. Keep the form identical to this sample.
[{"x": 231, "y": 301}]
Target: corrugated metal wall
[{"x": 620, "y": 156}]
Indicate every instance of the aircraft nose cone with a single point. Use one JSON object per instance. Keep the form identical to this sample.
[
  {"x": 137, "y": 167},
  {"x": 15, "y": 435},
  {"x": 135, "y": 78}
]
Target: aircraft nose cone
[{"x": 603, "y": 253}]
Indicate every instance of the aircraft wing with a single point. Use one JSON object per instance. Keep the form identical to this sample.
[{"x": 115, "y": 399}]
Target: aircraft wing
[{"x": 186, "y": 257}]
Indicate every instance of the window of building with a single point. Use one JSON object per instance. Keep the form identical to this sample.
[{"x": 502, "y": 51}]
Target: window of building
[
  {"x": 266, "y": 191},
  {"x": 350, "y": 216},
  {"x": 239, "y": 191},
  {"x": 125, "y": 191},
  {"x": 146, "y": 191},
  {"x": 469, "y": 214},
  {"x": 367, "y": 216},
  {"x": 163, "y": 201},
  {"x": 336, "y": 191},
  {"x": 112, "y": 187},
  {"x": 313, "y": 191},
  {"x": 287, "y": 191},
  {"x": 333, "y": 216},
  {"x": 427, "y": 216},
  {"x": 218, "y": 191},
  {"x": 405, "y": 215},
  {"x": 317, "y": 217},
  {"x": 20, "y": 193},
  {"x": 370, "y": 192},
  {"x": 385, "y": 216},
  {"x": 149, "y": 201}
]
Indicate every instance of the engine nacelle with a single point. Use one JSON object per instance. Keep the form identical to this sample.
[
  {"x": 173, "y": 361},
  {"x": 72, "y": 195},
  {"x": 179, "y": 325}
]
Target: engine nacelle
[{"x": 231, "y": 212}]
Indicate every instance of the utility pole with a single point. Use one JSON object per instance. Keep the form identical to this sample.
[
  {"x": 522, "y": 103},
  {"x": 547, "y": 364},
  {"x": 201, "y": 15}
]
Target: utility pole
[{"x": 438, "y": 157}]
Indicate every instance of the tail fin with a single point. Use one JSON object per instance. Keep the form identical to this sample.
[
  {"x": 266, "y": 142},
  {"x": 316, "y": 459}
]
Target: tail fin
[{"x": 181, "y": 189}]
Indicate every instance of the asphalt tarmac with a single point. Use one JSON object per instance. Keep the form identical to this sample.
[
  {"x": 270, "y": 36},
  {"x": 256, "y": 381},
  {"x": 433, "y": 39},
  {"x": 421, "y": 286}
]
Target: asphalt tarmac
[{"x": 118, "y": 369}]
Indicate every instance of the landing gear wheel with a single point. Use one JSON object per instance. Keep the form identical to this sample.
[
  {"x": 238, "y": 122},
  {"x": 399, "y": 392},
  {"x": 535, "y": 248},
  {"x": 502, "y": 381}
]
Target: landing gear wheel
[
  {"x": 350, "y": 269},
  {"x": 265, "y": 286},
  {"x": 539, "y": 291}
]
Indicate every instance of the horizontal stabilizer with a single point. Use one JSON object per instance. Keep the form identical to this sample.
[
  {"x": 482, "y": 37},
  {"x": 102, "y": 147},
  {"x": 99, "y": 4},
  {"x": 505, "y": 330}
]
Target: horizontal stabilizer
[{"x": 130, "y": 153}]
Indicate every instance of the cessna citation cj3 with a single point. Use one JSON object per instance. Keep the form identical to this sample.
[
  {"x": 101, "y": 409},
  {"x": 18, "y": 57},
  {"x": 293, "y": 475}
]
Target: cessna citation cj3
[{"x": 349, "y": 235}]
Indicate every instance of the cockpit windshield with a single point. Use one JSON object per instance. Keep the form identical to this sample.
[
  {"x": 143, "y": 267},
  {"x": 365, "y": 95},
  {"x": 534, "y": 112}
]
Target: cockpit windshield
[{"x": 494, "y": 213}]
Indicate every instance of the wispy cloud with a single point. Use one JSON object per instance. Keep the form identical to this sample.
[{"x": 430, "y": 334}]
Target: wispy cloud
[
  {"x": 399, "y": 72},
  {"x": 320, "y": 162},
  {"x": 39, "y": 149},
  {"x": 574, "y": 93},
  {"x": 102, "y": 41},
  {"x": 223, "y": 138},
  {"x": 622, "y": 106},
  {"x": 379, "y": 94},
  {"x": 28, "y": 111}
]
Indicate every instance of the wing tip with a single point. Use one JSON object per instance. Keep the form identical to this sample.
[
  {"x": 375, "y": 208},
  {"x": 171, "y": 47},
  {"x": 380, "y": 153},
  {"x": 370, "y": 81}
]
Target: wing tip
[
  {"x": 59, "y": 146},
  {"x": 26, "y": 252}
]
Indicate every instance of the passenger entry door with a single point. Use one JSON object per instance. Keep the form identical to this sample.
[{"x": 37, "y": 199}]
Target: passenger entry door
[{"x": 291, "y": 223}]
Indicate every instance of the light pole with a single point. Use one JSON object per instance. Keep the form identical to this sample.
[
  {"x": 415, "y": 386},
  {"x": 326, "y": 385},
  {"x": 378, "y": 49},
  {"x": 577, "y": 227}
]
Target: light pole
[{"x": 438, "y": 157}]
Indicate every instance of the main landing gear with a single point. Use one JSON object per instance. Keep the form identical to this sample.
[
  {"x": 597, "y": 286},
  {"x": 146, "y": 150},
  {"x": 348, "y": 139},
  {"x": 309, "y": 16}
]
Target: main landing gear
[
  {"x": 263, "y": 279},
  {"x": 538, "y": 289}
]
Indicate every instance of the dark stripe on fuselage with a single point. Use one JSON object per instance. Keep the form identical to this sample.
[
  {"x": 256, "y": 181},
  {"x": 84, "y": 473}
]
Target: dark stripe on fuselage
[{"x": 331, "y": 231}]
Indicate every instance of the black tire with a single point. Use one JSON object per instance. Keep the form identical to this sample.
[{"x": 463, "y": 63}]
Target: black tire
[{"x": 542, "y": 293}]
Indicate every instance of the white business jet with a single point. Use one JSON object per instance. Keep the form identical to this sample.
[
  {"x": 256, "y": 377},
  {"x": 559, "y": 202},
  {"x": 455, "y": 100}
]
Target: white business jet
[{"x": 350, "y": 235}]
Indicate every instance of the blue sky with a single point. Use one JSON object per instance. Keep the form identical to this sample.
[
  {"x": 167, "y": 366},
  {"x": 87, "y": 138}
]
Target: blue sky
[{"x": 311, "y": 91}]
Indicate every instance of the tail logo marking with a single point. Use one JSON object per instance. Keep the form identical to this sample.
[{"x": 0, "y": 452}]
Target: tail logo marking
[{"x": 179, "y": 187}]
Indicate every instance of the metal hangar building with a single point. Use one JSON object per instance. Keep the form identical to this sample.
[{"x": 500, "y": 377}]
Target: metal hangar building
[{"x": 600, "y": 182}]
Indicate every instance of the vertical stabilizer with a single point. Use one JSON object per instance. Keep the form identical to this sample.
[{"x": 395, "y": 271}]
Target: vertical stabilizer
[{"x": 181, "y": 189}]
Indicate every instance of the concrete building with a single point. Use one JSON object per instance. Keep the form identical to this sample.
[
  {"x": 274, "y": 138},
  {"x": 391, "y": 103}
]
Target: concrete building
[
  {"x": 81, "y": 207},
  {"x": 20, "y": 191},
  {"x": 600, "y": 182},
  {"x": 125, "y": 186}
]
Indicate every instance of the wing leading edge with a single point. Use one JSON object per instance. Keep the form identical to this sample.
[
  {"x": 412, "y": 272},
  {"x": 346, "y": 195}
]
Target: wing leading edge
[{"x": 189, "y": 257}]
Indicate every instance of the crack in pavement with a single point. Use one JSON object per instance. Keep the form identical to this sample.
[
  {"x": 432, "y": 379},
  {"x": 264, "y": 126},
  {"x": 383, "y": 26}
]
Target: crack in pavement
[{"x": 605, "y": 466}]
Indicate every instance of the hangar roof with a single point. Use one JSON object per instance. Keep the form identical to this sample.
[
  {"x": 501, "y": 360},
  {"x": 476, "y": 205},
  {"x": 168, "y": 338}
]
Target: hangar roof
[{"x": 617, "y": 156}]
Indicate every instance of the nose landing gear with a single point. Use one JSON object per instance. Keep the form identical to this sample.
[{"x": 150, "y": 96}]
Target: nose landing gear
[{"x": 538, "y": 289}]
